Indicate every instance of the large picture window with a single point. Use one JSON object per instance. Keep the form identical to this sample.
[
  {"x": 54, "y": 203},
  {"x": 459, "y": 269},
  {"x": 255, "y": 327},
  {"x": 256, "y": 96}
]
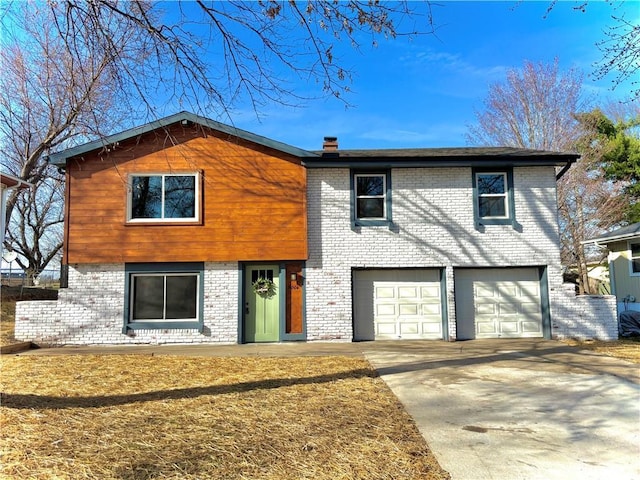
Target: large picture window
[
  {"x": 163, "y": 197},
  {"x": 161, "y": 296},
  {"x": 164, "y": 297}
]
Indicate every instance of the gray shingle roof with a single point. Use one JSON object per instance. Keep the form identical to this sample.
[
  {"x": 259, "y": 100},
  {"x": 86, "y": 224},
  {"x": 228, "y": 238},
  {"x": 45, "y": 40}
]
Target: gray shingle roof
[{"x": 625, "y": 233}]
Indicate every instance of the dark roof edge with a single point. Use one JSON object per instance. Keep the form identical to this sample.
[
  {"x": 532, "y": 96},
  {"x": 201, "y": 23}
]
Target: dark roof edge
[
  {"x": 439, "y": 161},
  {"x": 620, "y": 234},
  {"x": 60, "y": 158}
]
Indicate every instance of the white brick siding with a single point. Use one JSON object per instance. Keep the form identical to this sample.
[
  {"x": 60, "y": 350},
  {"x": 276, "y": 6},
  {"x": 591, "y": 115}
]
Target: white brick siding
[
  {"x": 584, "y": 316},
  {"x": 433, "y": 226},
  {"x": 91, "y": 311}
]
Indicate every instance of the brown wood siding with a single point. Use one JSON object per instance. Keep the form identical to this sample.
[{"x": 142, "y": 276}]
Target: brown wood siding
[
  {"x": 294, "y": 299},
  {"x": 253, "y": 202}
]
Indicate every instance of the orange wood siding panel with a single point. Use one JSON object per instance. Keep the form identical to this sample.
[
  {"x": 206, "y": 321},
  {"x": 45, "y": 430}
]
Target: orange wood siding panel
[
  {"x": 294, "y": 298},
  {"x": 253, "y": 202}
]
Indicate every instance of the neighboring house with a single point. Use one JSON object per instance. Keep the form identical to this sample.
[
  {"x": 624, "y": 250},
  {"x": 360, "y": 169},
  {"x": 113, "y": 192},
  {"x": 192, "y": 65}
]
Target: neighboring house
[
  {"x": 8, "y": 183},
  {"x": 171, "y": 226},
  {"x": 624, "y": 264}
]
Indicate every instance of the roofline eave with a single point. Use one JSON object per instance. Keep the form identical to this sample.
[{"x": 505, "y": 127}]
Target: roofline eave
[{"x": 59, "y": 159}]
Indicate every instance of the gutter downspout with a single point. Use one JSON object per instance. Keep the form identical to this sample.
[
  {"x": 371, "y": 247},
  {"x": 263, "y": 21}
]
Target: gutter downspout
[{"x": 564, "y": 169}]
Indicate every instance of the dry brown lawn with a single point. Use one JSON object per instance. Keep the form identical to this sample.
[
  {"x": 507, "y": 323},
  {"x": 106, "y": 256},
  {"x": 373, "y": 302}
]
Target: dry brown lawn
[
  {"x": 153, "y": 417},
  {"x": 625, "y": 348}
]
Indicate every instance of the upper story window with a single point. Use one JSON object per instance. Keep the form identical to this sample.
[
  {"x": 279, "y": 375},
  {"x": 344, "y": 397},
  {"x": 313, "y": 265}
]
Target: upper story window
[
  {"x": 493, "y": 197},
  {"x": 635, "y": 258},
  {"x": 371, "y": 196},
  {"x": 164, "y": 198}
]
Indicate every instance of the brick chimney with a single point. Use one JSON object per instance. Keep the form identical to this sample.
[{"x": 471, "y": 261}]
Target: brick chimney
[{"x": 330, "y": 144}]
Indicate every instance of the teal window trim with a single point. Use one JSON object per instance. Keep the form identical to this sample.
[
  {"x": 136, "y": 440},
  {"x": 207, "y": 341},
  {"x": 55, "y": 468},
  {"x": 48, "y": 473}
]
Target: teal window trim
[
  {"x": 510, "y": 218},
  {"x": 242, "y": 299},
  {"x": 544, "y": 300},
  {"x": 444, "y": 304},
  {"x": 387, "y": 221},
  {"x": 132, "y": 269}
]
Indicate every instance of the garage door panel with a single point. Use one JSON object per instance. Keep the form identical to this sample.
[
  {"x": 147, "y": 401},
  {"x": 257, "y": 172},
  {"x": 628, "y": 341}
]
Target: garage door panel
[
  {"x": 507, "y": 309},
  {"x": 385, "y": 292},
  {"x": 383, "y": 309},
  {"x": 408, "y": 292},
  {"x": 485, "y": 326},
  {"x": 407, "y": 328},
  {"x": 406, "y": 304},
  {"x": 485, "y": 291},
  {"x": 509, "y": 328},
  {"x": 409, "y": 309},
  {"x": 432, "y": 309},
  {"x": 498, "y": 302},
  {"x": 486, "y": 309},
  {"x": 430, "y": 293}
]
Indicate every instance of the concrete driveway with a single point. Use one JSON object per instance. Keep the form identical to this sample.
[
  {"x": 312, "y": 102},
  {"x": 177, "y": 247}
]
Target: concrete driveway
[{"x": 519, "y": 409}]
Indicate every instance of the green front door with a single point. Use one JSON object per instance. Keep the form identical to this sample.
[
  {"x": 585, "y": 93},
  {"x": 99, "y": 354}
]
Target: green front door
[{"x": 261, "y": 310}]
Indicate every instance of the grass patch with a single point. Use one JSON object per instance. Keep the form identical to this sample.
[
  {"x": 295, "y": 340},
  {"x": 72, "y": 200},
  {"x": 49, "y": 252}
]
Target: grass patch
[
  {"x": 625, "y": 348},
  {"x": 147, "y": 417}
]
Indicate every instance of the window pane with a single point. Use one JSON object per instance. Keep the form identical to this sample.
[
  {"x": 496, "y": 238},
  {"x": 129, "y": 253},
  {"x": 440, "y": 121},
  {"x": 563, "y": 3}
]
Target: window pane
[
  {"x": 635, "y": 250},
  {"x": 371, "y": 208},
  {"x": 370, "y": 186},
  {"x": 179, "y": 196},
  {"x": 491, "y": 183},
  {"x": 492, "y": 207},
  {"x": 148, "y": 297},
  {"x": 146, "y": 201},
  {"x": 182, "y": 296},
  {"x": 635, "y": 265}
]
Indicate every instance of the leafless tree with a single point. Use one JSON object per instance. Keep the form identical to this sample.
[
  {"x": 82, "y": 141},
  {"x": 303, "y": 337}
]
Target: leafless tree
[
  {"x": 533, "y": 108},
  {"x": 75, "y": 70},
  {"x": 621, "y": 52},
  {"x": 539, "y": 107},
  {"x": 588, "y": 205}
]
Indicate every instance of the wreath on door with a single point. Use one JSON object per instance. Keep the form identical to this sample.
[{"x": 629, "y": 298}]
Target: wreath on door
[{"x": 263, "y": 287}]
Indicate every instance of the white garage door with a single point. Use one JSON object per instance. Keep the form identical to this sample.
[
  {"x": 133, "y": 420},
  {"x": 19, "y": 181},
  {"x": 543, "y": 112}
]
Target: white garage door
[
  {"x": 495, "y": 303},
  {"x": 397, "y": 304}
]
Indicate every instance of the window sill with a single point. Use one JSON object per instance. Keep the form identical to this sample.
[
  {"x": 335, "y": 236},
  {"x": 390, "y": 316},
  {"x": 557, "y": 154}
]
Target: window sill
[
  {"x": 160, "y": 223},
  {"x": 372, "y": 223},
  {"x": 150, "y": 325},
  {"x": 495, "y": 221}
]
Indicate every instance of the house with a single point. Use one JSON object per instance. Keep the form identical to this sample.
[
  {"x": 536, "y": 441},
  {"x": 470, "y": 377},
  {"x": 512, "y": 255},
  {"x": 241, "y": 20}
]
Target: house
[
  {"x": 8, "y": 183},
  {"x": 624, "y": 264},
  {"x": 188, "y": 230}
]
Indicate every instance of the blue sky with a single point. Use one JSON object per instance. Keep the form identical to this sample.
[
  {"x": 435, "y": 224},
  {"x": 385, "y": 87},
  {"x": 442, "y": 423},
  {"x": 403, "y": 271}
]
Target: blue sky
[{"x": 422, "y": 92}]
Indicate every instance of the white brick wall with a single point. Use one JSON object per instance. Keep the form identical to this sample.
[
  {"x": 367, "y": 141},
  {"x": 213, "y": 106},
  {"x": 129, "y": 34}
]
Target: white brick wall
[
  {"x": 91, "y": 311},
  {"x": 584, "y": 316},
  {"x": 432, "y": 211}
]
